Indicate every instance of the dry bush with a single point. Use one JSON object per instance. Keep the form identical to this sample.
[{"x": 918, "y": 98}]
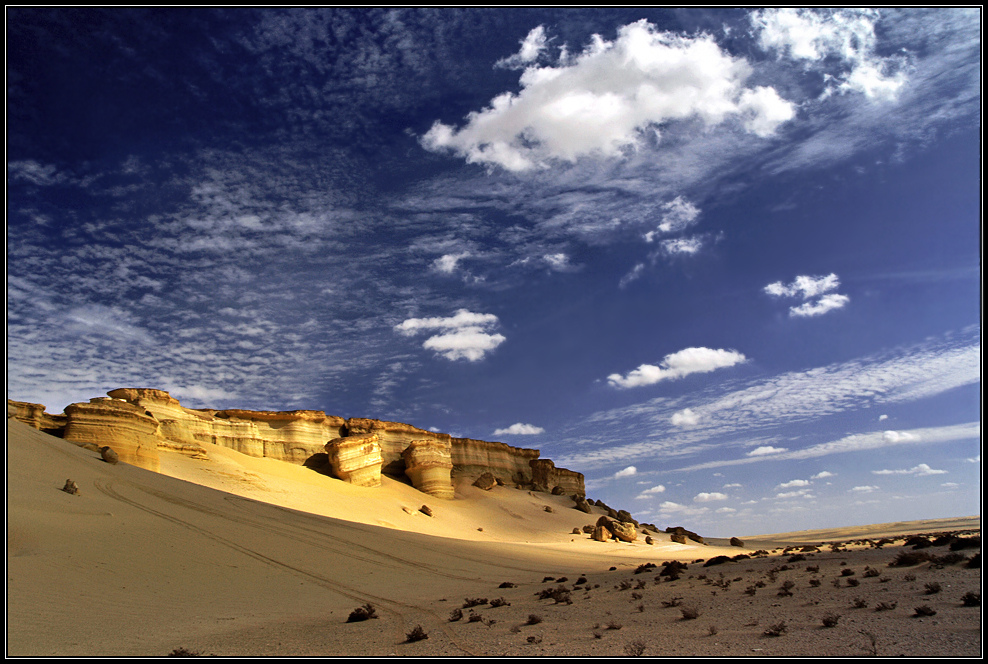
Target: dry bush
[
  {"x": 624, "y": 585},
  {"x": 853, "y": 583},
  {"x": 859, "y": 603},
  {"x": 635, "y": 648},
  {"x": 786, "y": 589},
  {"x": 847, "y": 572},
  {"x": 712, "y": 629},
  {"x": 535, "y": 640},
  {"x": 909, "y": 558},
  {"x": 417, "y": 634},
  {"x": 365, "y": 612},
  {"x": 500, "y": 601},
  {"x": 750, "y": 590},
  {"x": 474, "y": 617},
  {"x": 871, "y": 571},
  {"x": 507, "y": 584},
  {"x": 965, "y": 543},
  {"x": 830, "y": 620},
  {"x": 644, "y": 567},
  {"x": 468, "y": 603},
  {"x": 886, "y": 606},
  {"x": 815, "y": 583},
  {"x": 778, "y": 629},
  {"x": 455, "y": 615},
  {"x": 184, "y": 652},
  {"x": 971, "y": 599},
  {"x": 533, "y": 619},
  {"x": 614, "y": 625},
  {"x": 690, "y": 612},
  {"x": 812, "y": 569},
  {"x": 675, "y": 601},
  {"x": 925, "y": 610},
  {"x": 933, "y": 588}
]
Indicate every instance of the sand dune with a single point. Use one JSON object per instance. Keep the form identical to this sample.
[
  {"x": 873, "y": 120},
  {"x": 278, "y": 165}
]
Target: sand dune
[{"x": 245, "y": 556}]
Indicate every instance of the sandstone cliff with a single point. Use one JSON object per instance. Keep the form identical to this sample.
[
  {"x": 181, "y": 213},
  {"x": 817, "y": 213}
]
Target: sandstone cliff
[{"x": 138, "y": 422}]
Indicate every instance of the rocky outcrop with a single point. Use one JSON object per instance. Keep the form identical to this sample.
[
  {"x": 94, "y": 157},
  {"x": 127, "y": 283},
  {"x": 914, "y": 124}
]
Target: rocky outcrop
[
  {"x": 356, "y": 459},
  {"x": 625, "y": 532},
  {"x": 487, "y": 481},
  {"x": 127, "y": 428},
  {"x": 428, "y": 463},
  {"x": 138, "y": 422},
  {"x": 472, "y": 458},
  {"x": 545, "y": 476},
  {"x": 34, "y": 415}
]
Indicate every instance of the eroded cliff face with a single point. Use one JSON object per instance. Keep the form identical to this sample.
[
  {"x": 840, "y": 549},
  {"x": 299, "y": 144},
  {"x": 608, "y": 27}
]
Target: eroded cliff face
[{"x": 138, "y": 422}]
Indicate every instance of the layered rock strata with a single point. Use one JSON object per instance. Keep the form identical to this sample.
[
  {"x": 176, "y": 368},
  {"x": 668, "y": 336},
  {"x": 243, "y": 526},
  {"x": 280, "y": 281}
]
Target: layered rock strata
[
  {"x": 137, "y": 422},
  {"x": 428, "y": 463},
  {"x": 124, "y": 427},
  {"x": 356, "y": 459}
]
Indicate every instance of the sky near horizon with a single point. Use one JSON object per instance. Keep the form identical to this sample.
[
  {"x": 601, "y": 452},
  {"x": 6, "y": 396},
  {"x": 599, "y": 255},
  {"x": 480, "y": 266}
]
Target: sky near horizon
[{"x": 725, "y": 263}]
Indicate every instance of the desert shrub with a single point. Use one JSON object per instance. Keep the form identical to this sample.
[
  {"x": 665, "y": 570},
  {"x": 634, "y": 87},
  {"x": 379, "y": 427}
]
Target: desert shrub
[
  {"x": 853, "y": 583},
  {"x": 675, "y": 601},
  {"x": 635, "y": 648},
  {"x": 455, "y": 615},
  {"x": 750, "y": 590},
  {"x": 507, "y": 584},
  {"x": 640, "y": 584},
  {"x": 933, "y": 588},
  {"x": 365, "y": 612},
  {"x": 690, "y": 612},
  {"x": 478, "y": 601},
  {"x": 562, "y": 579},
  {"x": 184, "y": 652},
  {"x": 534, "y": 640},
  {"x": 712, "y": 630},
  {"x": 786, "y": 589},
  {"x": 761, "y": 553},
  {"x": 417, "y": 634},
  {"x": 614, "y": 625},
  {"x": 797, "y": 557},
  {"x": 815, "y": 583},
  {"x": 971, "y": 599},
  {"x": 918, "y": 542},
  {"x": 474, "y": 617},
  {"x": 636, "y": 595},
  {"x": 909, "y": 577},
  {"x": 580, "y": 581},
  {"x": 847, "y": 572},
  {"x": 909, "y": 558},
  {"x": 500, "y": 601},
  {"x": 974, "y": 562},
  {"x": 717, "y": 560},
  {"x": 778, "y": 629},
  {"x": 871, "y": 571},
  {"x": 644, "y": 567},
  {"x": 533, "y": 619},
  {"x": 886, "y": 606},
  {"x": 547, "y": 579},
  {"x": 812, "y": 569},
  {"x": 830, "y": 620},
  {"x": 965, "y": 543},
  {"x": 624, "y": 585},
  {"x": 922, "y": 611}
]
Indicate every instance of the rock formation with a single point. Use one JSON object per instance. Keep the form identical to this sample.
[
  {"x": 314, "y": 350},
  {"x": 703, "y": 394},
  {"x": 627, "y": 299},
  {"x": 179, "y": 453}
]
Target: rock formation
[
  {"x": 356, "y": 459},
  {"x": 625, "y": 532},
  {"x": 428, "y": 463},
  {"x": 139, "y": 422}
]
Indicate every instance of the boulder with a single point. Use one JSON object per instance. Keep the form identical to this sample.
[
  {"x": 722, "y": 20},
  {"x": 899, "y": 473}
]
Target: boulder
[
  {"x": 677, "y": 538},
  {"x": 583, "y": 506},
  {"x": 600, "y": 534},
  {"x": 356, "y": 459},
  {"x": 109, "y": 455},
  {"x": 426, "y": 510},
  {"x": 625, "y": 516},
  {"x": 557, "y": 490},
  {"x": 736, "y": 542},
  {"x": 625, "y": 532},
  {"x": 649, "y": 540},
  {"x": 486, "y": 481},
  {"x": 71, "y": 487}
]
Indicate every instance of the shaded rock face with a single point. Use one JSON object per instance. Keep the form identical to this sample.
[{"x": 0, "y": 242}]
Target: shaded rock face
[
  {"x": 131, "y": 432},
  {"x": 485, "y": 482},
  {"x": 583, "y": 505},
  {"x": 356, "y": 459},
  {"x": 546, "y": 475},
  {"x": 394, "y": 437},
  {"x": 509, "y": 465},
  {"x": 34, "y": 415},
  {"x": 428, "y": 463}
]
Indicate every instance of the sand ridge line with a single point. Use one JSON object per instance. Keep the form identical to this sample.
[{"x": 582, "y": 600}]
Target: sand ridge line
[{"x": 386, "y": 604}]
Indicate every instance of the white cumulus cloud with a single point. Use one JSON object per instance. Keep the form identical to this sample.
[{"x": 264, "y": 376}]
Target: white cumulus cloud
[
  {"x": 520, "y": 429},
  {"x": 678, "y": 364},
  {"x": 627, "y": 472},
  {"x": 465, "y": 335},
  {"x": 685, "y": 418},
  {"x": 766, "y": 449},
  {"x": 920, "y": 470},
  {"x": 807, "y": 287},
  {"x": 601, "y": 101},
  {"x": 705, "y": 497}
]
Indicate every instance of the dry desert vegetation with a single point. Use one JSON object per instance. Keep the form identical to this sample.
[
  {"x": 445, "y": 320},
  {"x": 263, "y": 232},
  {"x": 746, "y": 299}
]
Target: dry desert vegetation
[{"x": 240, "y": 556}]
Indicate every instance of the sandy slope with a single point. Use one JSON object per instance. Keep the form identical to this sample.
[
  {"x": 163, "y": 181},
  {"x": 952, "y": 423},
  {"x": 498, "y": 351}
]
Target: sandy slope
[{"x": 142, "y": 563}]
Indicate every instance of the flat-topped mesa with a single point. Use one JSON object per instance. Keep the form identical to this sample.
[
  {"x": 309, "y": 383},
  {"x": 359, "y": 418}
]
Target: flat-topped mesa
[
  {"x": 394, "y": 438},
  {"x": 428, "y": 463},
  {"x": 472, "y": 458},
  {"x": 125, "y": 427},
  {"x": 292, "y": 436},
  {"x": 132, "y": 418}
]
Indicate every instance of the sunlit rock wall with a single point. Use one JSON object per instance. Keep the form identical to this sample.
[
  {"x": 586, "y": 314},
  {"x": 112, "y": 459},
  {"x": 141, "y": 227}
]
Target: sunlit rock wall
[
  {"x": 125, "y": 427},
  {"x": 394, "y": 438},
  {"x": 472, "y": 458},
  {"x": 428, "y": 463},
  {"x": 356, "y": 459}
]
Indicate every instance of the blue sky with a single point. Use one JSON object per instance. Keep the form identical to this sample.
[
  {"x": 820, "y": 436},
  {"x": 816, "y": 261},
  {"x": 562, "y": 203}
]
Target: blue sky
[{"x": 725, "y": 263}]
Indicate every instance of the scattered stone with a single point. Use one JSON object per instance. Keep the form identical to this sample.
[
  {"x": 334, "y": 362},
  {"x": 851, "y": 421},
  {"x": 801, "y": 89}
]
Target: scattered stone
[
  {"x": 649, "y": 540},
  {"x": 583, "y": 505},
  {"x": 426, "y": 510},
  {"x": 576, "y": 531},
  {"x": 677, "y": 538},
  {"x": 558, "y": 490},
  {"x": 486, "y": 481},
  {"x": 588, "y": 529},
  {"x": 70, "y": 487},
  {"x": 600, "y": 534},
  {"x": 109, "y": 455},
  {"x": 547, "y": 508},
  {"x": 736, "y": 542}
]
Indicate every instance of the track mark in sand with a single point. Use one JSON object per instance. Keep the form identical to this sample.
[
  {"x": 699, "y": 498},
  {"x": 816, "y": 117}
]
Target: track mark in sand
[{"x": 386, "y": 604}]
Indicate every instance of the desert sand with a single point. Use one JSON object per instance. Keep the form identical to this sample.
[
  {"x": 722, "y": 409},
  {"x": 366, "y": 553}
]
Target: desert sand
[{"x": 240, "y": 556}]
